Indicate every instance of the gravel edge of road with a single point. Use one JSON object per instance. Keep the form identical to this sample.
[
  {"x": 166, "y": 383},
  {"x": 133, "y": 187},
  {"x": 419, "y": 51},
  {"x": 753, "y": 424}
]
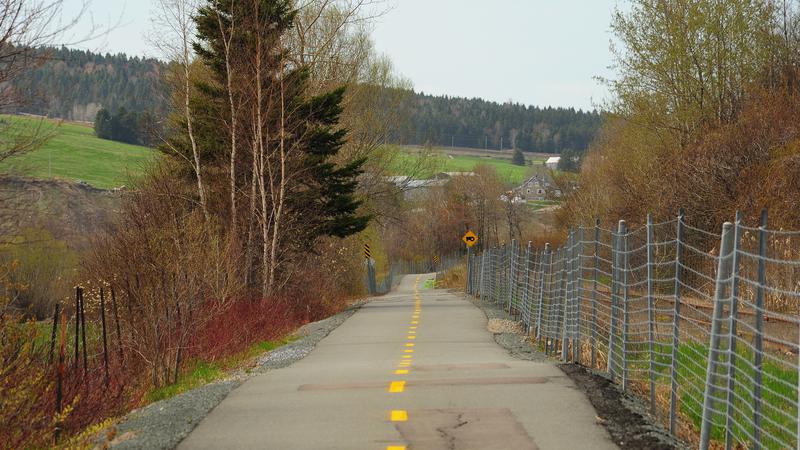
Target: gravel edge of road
[
  {"x": 624, "y": 416},
  {"x": 165, "y": 423}
]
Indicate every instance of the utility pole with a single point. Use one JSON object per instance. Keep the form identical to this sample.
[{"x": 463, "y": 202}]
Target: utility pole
[
  {"x": 485, "y": 142},
  {"x": 452, "y": 141},
  {"x": 501, "y": 143}
]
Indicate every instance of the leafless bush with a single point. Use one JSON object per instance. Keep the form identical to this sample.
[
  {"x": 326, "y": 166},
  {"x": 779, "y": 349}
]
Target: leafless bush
[{"x": 166, "y": 261}]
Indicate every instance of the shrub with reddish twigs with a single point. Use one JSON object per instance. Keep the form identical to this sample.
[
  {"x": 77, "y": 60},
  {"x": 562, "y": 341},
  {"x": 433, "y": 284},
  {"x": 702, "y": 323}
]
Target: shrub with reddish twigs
[{"x": 237, "y": 326}]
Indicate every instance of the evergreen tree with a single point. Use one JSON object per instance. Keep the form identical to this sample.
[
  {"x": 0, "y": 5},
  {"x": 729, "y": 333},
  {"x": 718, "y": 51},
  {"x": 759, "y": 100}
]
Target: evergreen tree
[
  {"x": 294, "y": 145},
  {"x": 125, "y": 126},
  {"x": 102, "y": 124},
  {"x": 518, "y": 158}
]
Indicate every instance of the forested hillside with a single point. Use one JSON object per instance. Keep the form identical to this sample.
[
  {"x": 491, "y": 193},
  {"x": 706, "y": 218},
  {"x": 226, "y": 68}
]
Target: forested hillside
[
  {"x": 477, "y": 123},
  {"x": 75, "y": 84}
]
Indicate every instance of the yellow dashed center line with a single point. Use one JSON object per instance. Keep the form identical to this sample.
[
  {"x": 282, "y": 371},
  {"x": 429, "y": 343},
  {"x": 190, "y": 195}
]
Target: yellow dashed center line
[{"x": 398, "y": 415}]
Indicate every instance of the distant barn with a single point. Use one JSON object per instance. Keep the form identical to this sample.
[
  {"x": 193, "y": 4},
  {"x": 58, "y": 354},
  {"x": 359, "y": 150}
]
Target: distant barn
[{"x": 552, "y": 162}]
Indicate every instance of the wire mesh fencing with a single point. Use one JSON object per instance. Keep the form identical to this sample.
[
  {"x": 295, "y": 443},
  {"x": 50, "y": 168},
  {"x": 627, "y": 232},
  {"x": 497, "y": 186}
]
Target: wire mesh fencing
[
  {"x": 702, "y": 324},
  {"x": 395, "y": 271}
]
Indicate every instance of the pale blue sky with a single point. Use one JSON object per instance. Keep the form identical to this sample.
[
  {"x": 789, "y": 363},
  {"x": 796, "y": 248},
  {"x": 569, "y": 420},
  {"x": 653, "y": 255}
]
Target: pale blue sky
[{"x": 538, "y": 52}]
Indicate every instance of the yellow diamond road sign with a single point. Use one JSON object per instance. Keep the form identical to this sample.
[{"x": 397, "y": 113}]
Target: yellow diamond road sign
[{"x": 470, "y": 238}]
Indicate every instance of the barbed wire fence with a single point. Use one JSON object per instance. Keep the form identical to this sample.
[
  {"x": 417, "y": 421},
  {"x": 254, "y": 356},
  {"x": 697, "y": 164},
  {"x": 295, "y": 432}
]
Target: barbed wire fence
[{"x": 701, "y": 324}]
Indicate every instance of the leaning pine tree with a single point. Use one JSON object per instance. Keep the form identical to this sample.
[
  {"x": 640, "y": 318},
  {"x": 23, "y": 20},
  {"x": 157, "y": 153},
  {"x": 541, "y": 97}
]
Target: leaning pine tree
[{"x": 267, "y": 149}]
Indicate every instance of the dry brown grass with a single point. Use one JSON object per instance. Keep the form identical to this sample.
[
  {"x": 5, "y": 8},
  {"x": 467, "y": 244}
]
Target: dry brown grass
[{"x": 454, "y": 278}]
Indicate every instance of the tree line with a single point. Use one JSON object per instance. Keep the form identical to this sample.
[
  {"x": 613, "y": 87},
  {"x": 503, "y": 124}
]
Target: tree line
[
  {"x": 76, "y": 84},
  {"x": 137, "y": 128},
  {"x": 476, "y": 123}
]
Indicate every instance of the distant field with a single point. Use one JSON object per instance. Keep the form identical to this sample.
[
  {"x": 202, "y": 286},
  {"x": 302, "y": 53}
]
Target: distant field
[
  {"x": 443, "y": 162},
  {"x": 537, "y": 205},
  {"x": 75, "y": 153}
]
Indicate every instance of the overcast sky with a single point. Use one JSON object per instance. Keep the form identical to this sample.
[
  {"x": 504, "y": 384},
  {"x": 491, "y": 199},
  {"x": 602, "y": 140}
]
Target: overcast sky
[{"x": 537, "y": 52}]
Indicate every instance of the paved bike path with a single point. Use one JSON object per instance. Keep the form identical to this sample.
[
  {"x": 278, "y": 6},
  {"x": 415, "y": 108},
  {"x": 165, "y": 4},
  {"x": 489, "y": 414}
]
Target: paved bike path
[{"x": 415, "y": 369}]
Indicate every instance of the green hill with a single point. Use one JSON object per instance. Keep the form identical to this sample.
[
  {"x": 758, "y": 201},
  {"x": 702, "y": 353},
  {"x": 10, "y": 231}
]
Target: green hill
[
  {"x": 73, "y": 152},
  {"x": 441, "y": 161}
]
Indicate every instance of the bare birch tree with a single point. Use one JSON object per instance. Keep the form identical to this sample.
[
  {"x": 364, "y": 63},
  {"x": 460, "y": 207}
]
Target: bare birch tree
[{"x": 172, "y": 36}]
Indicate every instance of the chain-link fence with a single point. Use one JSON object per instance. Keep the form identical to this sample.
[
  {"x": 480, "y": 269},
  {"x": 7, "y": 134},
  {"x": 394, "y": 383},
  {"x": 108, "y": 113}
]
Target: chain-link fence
[
  {"x": 703, "y": 325},
  {"x": 380, "y": 285}
]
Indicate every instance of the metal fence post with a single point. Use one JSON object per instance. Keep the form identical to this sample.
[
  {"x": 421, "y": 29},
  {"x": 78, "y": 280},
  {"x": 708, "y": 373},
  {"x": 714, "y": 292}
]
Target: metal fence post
[
  {"x": 651, "y": 316},
  {"x": 576, "y": 345},
  {"x": 556, "y": 310},
  {"x": 732, "y": 318},
  {"x": 536, "y": 288},
  {"x": 511, "y": 274},
  {"x": 615, "y": 256},
  {"x": 594, "y": 292},
  {"x": 481, "y": 285},
  {"x": 758, "y": 335},
  {"x": 497, "y": 278},
  {"x": 567, "y": 298},
  {"x": 526, "y": 298},
  {"x": 624, "y": 269},
  {"x": 548, "y": 257},
  {"x": 676, "y": 317},
  {"x": 723, "y": 269},
  {"x": 554, "y": 294}
]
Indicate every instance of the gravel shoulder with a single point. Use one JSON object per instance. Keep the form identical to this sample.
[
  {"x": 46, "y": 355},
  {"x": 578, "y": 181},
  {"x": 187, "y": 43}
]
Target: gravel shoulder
[
  {"x": 623, "y": 415},
  {"x": 164, "y": 424}
]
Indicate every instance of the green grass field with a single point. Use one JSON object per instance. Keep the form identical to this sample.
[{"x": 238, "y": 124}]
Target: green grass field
[
  {"x": 440, "y": 162},
  {"x": 536, "y": 205},
  {"x": 73, "y": 152}
]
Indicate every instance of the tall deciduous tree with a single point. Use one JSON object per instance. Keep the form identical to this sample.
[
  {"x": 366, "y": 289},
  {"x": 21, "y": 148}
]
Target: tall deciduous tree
[
  {"x": 685, "y": 64},
  {"x": 256, "y": 106}
]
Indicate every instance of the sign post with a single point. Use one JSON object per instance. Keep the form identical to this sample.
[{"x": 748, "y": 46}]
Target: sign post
[
  {"x": 470, "y": 239},
  {"x": 372, "y": 283}
]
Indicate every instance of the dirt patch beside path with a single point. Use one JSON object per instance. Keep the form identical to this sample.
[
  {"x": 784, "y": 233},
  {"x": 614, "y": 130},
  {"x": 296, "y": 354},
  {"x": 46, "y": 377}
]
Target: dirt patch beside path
[{"x": 629, "y": 428}]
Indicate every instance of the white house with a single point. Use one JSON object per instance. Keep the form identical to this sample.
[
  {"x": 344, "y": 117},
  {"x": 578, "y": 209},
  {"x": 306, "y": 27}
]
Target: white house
[{"x": 552, "y": 162}]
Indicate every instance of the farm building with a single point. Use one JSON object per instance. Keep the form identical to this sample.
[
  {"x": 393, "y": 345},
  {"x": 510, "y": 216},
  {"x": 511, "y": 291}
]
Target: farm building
[
  {"x": 552, "y": 162},
  {"x": 537, "y": 187}
]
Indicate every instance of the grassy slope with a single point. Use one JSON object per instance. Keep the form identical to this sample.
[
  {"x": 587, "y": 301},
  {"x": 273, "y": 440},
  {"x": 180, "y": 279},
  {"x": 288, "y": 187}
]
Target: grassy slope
[
  {"x": 463, "y": 163},
  {"x": 75, "y": 153}
]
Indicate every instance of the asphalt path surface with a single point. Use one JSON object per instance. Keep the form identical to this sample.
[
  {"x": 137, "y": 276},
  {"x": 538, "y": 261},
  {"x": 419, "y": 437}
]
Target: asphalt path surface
[{"x": 415, "y": 369}]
